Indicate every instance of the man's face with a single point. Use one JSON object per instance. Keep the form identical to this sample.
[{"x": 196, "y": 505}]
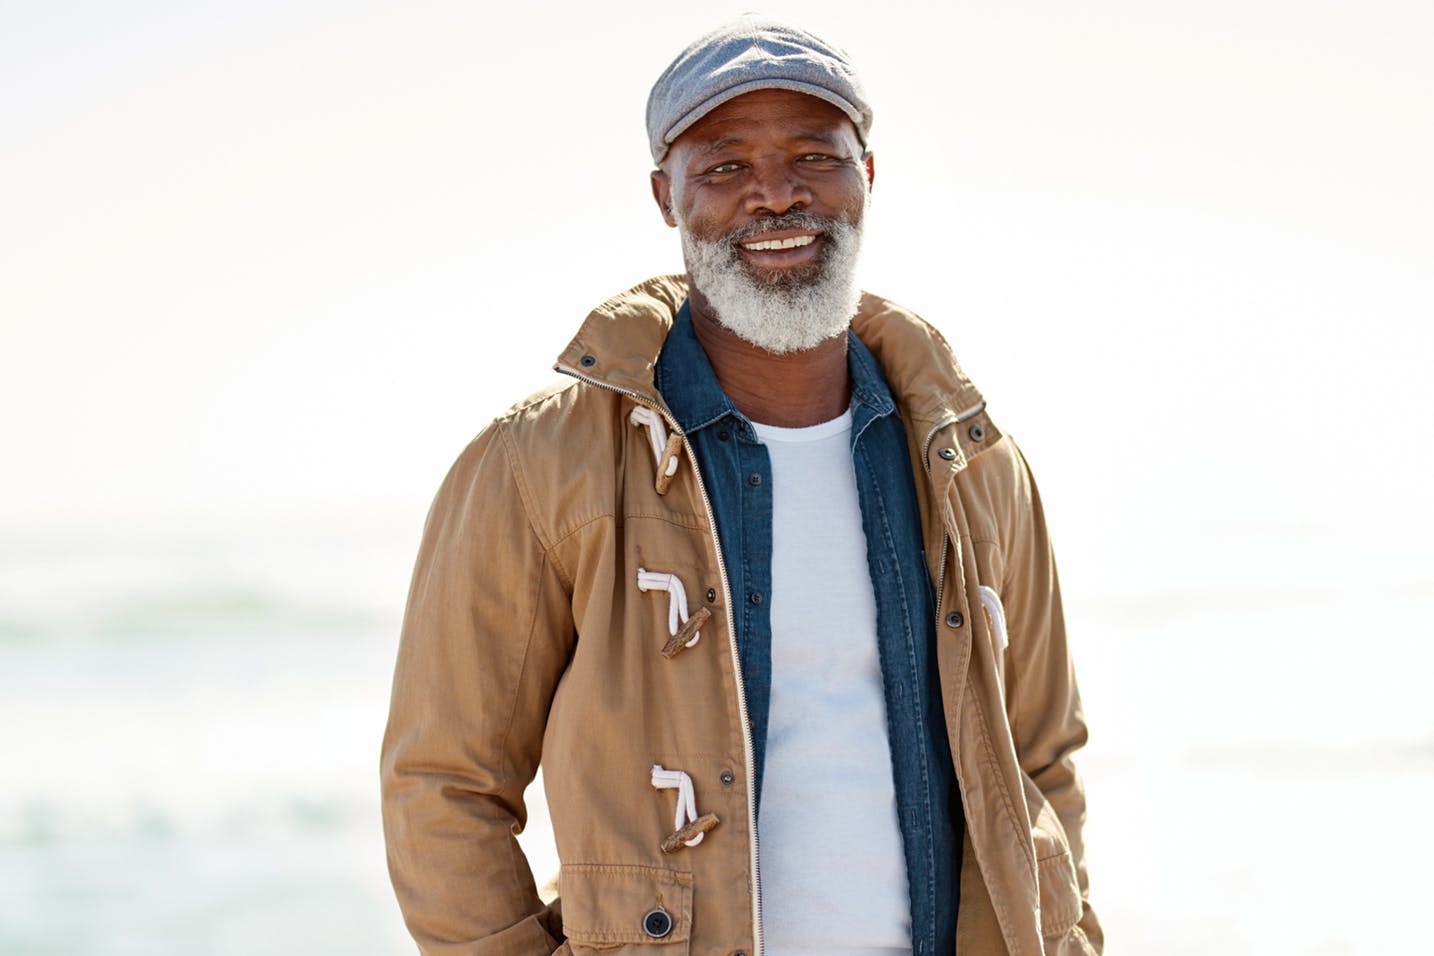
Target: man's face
[{"x": 768, "y": 192}]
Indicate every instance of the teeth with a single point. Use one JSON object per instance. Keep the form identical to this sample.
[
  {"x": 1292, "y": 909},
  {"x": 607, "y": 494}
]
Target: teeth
[{"x": 792, "y": 243}]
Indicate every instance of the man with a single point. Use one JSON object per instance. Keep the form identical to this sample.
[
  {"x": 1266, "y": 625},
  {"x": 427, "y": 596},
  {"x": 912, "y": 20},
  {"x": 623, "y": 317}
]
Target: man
[{"x": 761, "y": 584}]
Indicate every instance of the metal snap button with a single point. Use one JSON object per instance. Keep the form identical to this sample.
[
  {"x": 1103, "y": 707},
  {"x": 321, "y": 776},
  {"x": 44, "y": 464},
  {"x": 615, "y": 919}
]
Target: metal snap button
[
  {"x": 711, "y": 595},
  {"x": 954, "y": 619},
  {"x": 657, "y": 923},
  {"x": 948, "y": 453},
  {"x": 976, "y": 432},
  {"x": 588, "y": 361},
  {"x": 728, "y": 778}
]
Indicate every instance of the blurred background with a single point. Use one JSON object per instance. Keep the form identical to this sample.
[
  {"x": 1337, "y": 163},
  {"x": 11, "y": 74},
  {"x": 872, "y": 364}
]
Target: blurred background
[{"x": 266, "y": 267}]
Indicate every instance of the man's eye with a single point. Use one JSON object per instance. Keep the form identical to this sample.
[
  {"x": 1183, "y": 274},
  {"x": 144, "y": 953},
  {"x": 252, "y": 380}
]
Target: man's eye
[
  {"x": 816, "y": 157},
  {"x": 724, "y": 168}
]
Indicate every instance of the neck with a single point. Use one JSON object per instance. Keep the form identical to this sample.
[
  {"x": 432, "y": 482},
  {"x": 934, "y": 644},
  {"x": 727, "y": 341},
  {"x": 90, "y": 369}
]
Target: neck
[{"x": 791, "y": 390}]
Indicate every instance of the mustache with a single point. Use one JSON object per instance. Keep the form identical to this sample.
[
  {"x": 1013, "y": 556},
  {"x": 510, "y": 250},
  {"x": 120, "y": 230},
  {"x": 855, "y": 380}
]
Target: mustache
[{"x": 790, "y": 220}]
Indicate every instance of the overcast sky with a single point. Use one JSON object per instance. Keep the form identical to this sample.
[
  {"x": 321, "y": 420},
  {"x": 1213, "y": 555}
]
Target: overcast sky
[{"x": 274, "y": 256}]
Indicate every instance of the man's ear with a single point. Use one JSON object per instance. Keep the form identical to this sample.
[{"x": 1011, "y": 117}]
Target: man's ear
[
  {"x": 662, "y": 193},
  {"x": 869, "y": 161}
]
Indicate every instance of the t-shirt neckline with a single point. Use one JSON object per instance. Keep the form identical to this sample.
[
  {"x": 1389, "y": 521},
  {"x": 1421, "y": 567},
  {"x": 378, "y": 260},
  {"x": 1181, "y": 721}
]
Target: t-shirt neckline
[{"x": 817, "y": 432}]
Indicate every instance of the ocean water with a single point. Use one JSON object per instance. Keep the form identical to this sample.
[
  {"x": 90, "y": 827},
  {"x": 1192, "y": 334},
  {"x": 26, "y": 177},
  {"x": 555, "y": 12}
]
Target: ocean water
[
  {"x": 191, "y": 726},
  {"x": 191, "y": 721}
]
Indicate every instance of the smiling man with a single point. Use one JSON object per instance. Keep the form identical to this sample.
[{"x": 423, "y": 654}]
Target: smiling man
[{"x": 762, "y": 587}]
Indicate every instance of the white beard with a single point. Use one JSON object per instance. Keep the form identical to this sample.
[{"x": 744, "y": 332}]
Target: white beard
[{"x": 784, "y": 313}]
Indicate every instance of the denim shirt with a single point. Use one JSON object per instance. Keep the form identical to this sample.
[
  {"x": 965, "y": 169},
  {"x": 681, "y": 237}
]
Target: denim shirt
[{"x": 738, "y": 477}]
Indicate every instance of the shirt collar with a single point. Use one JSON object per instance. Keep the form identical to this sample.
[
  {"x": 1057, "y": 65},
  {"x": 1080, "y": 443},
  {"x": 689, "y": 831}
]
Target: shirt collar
[
  {"x": 868, "y": 384},
  {"x": 688, "y": 385},
  {"x": 685, "y": 379}
]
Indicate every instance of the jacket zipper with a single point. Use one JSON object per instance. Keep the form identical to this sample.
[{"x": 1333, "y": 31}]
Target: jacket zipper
[
  {"x": 758, "y": 942},
  {"x": 945, "y": 535},
  {"x": 956, "y": 419}
]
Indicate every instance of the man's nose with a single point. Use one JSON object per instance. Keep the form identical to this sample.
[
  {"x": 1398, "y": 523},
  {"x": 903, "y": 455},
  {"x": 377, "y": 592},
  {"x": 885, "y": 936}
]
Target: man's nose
[{"x": 777, "y": 189}]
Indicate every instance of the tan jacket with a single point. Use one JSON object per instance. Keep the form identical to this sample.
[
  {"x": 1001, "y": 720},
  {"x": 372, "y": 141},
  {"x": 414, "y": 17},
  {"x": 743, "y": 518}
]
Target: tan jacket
[{"x": 527, "y": 637}]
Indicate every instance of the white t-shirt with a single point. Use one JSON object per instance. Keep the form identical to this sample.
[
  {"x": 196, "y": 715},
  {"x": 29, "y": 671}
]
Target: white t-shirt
[{"x": 832, "y": 864}]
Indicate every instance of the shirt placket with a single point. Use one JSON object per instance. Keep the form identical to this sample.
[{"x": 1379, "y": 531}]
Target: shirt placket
[{"x": 754, "y": 477}]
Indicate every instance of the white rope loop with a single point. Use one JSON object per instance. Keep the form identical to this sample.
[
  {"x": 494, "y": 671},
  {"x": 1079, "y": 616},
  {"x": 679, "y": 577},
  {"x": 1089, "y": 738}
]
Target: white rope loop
[
  {"x": 650, "y": 419},
  {"x": 992, "y": 602},
  {"x": 664, "y": 779},
  {"x": 676, "y": 599}
]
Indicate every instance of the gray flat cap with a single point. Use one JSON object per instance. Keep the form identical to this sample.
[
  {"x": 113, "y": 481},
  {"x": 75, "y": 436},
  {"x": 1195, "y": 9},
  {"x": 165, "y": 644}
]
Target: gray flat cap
[{"x": 750, "y": 53}]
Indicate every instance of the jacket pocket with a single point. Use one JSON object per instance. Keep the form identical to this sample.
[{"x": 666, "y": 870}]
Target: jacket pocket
[
  {"x": 1060, "y": 897},
  {"x": 1061, "y": 905},
  {"x": 614, "y": 909}
]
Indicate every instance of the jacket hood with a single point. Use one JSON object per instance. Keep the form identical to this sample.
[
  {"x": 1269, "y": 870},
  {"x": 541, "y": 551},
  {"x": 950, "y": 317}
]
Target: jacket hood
[{"x": 619, "y": 342}]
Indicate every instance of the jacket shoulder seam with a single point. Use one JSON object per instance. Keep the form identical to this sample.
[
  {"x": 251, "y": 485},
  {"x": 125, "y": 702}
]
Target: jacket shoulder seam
[
  {"x": 525, "y": 500},
  {"x": 560, "y": 385}
]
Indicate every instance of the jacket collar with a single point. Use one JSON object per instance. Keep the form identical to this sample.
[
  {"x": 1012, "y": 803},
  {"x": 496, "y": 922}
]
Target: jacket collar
[{"x": 619, "y": 343}]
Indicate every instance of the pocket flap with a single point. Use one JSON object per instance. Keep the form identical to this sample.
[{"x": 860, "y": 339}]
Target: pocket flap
[{"x": 606, "y": 905}]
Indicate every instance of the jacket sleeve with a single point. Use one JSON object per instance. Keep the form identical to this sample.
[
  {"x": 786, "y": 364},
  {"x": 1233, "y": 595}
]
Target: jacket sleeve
[
  {"x": 1042, "y": 700},
  {"x": 486, "y": 635}
]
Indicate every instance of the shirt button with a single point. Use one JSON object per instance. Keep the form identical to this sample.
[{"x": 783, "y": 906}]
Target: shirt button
[
  {"x": 754, "y": 479},
  {"x": 657, "y": 923},
  {"x": 949, "y": 454},
  {"x": 723, "y": 434},
  {"x": 954, "y": 619},
  {"x": 755, "y": 597}
]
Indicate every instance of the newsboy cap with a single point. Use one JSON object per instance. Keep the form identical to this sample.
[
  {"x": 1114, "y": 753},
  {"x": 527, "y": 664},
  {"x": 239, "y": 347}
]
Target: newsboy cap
[{"x": 750, "y": 53}]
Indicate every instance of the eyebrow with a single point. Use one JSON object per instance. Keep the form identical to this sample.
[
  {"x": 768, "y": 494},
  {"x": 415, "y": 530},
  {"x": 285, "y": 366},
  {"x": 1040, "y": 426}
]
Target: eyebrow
[{"x": 717, "y": 145}]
